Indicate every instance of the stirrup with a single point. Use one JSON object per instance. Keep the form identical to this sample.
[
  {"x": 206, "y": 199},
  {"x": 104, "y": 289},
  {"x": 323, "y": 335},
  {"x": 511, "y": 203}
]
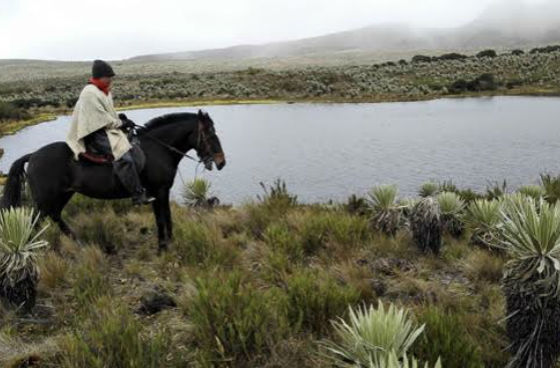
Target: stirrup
[{"x": 142, "y": 198}]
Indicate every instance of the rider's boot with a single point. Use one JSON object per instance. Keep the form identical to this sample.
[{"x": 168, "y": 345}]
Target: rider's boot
[{"x": 127, "y": 174}]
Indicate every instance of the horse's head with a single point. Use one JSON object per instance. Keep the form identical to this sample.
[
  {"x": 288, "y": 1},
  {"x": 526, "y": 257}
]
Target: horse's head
[{"x": 208, "y": 147}]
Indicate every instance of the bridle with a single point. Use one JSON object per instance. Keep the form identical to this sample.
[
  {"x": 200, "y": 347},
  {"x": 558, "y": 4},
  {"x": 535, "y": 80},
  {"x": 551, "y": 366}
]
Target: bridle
[{"x": 201, "y": 139}]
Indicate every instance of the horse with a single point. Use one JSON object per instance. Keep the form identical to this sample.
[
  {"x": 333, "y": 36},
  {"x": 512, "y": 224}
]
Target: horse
[{"x": 53, "y": 175}]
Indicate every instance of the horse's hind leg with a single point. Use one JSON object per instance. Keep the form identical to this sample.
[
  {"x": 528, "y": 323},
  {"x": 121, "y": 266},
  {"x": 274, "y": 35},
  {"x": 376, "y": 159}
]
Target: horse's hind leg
[{"x": 53, "y": 209}]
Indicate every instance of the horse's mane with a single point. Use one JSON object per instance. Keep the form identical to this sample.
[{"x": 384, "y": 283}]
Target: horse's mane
[{"x": 167, "y": 119}]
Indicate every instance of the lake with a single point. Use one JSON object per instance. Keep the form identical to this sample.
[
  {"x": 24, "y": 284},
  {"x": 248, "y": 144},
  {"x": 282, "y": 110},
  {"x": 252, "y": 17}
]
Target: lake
[{"x": 330, "y": 151}]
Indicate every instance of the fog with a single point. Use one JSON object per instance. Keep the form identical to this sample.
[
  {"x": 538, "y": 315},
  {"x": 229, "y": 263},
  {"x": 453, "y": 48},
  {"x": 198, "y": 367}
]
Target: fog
[{"x": 84, "y": 30}]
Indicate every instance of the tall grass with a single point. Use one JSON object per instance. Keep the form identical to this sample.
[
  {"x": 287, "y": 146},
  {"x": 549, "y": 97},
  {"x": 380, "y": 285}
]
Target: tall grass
[
  {"x": 233, "y": 321},
  {"x": 112, "y": 337}
]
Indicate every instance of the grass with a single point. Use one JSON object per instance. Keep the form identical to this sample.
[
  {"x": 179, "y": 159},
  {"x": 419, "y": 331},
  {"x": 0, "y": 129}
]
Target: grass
[{"x": 256, "y": 285}]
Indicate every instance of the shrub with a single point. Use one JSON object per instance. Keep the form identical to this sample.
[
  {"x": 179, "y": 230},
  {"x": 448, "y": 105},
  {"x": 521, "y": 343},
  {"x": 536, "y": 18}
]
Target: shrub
[
  {"x": 316, "y": 230},
  {"x": 445, "y": 337},
  {"x": 54, "y": 270},
  {"x": 282, "y": 239},
  {"x": 357, "y": 205},
  {"x": 199, "y": 244},
  {"x": 487, "y": 54},
  {"x": 112, "y": 337},
  {"x": 421, "y": 59},
  {"x": 234, "y": 321},
  {"x": 546, "y": 49},
  {"x": 452, "y": 56},
  {"x": 103, "y": 228},
  {"x": 8, "y": 111},
  {"x": 90, "y": 279},
  {"x": 314, "y": 298},
  {"x": 277, "y": 193}
]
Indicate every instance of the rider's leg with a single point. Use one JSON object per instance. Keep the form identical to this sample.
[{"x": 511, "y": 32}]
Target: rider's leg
[{"x": 125, "y": 169}]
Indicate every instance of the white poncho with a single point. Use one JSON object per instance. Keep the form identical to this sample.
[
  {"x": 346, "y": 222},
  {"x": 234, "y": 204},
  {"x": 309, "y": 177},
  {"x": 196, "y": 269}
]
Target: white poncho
[{"x": 93, "y": 111}]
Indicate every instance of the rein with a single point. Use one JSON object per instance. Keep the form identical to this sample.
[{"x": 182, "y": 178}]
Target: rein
[{"x": 171, "y": 148}]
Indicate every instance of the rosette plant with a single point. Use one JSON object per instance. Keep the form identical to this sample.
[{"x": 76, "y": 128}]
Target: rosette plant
[
  {"x": 530, "y": 234},
  {"x": 372, "y": 337},
  {"x": 483, "y": 217},
  {"x": 425, "y": 223},
  {"x": 196, "y": 193},
  {"x": 386, "y": 212},
  {"x": 451, "y": 207},
  {"x": 20, "y": 245}
]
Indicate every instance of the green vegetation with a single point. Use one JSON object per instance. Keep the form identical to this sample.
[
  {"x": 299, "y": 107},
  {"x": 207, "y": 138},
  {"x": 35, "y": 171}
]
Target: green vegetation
[
  {"x": 35, "y": 88},
  {"x": 256, "y": 285},
  {"x": 451, "y": 206},
  {"x": 482, "y": 218},
  {"x": 19, "y": 247},
  {"x": 371, "y": 335},
  {"x": 426, "y": 225},
  {"x": 531, "y": 284},
  {"x": 386, "y": 214},
  {"x": 196, "y": 193}
]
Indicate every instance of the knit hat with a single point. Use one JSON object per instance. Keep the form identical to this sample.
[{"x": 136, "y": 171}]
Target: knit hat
[{"x": 101, "y": 69}]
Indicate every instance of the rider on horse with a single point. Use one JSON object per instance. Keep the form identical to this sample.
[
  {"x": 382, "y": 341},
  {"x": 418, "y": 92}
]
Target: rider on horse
[{"x": 96, "y": 128}]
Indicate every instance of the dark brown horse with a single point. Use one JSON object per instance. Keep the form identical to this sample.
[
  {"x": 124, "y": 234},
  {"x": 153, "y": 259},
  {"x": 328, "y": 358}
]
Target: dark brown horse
[{"x": 54, "y": 176}]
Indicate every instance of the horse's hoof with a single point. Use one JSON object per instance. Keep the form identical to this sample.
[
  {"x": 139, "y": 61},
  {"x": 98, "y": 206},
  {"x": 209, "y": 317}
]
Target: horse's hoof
[{"x": 162, "y": 248}]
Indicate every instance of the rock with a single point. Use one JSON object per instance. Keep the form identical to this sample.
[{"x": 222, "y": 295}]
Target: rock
[
  {"x": 155, "y": 301},
  {"x": 379, "y": 287}
]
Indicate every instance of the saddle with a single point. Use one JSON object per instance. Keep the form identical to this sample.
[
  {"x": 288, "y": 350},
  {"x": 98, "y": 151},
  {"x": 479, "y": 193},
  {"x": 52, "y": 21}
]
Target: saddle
[{"x": 96, "y": 158}]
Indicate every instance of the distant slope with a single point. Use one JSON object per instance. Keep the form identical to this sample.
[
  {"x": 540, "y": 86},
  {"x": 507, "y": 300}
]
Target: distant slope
[{"x": 508, "y": 24}]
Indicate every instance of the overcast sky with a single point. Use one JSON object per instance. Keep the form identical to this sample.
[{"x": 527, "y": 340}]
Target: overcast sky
[{"x": 118, "y": 29}]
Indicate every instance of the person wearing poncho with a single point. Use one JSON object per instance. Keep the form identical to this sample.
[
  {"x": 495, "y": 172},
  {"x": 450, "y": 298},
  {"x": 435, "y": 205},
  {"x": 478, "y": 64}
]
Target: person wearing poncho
[{"x": 97, "y": 128}]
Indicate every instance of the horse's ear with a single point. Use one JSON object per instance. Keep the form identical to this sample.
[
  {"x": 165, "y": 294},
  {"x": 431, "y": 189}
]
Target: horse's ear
[{"x": 200, "y": 115}]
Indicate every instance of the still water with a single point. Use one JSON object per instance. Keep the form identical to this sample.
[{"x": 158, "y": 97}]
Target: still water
[{"x": 329, "y": 151}]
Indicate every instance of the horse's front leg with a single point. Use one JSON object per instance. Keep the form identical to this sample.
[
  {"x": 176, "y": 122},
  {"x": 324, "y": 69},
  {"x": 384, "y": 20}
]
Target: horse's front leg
[
  {"x": 168, "y": 220},
  {"x": 162, "y": 213}
]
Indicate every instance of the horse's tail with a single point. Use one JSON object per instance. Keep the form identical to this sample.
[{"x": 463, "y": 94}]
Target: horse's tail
[{"x": 14, "y": 184}]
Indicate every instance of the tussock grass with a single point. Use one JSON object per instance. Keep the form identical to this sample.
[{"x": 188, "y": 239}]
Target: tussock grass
[
  {"x": 233, "y": 321},
  {"x": 256, "y": 285},
  {"x": 91, "y": 277},
  {"x": 446, "y": 336},
  {"x": 111, "y": 337},
  {"x": 480, "y": 265},
  {"x": 314, "y": 298},
  {"x": 197, "y": 243},
  {"x": 54, "y": 271}
]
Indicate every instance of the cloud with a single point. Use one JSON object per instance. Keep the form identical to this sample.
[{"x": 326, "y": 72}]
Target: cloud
[{"x": 115, "y": 29}]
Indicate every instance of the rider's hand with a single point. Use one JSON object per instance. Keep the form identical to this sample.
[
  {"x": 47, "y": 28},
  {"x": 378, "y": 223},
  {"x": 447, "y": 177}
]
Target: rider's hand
[{"x": 127, "y": 124}]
